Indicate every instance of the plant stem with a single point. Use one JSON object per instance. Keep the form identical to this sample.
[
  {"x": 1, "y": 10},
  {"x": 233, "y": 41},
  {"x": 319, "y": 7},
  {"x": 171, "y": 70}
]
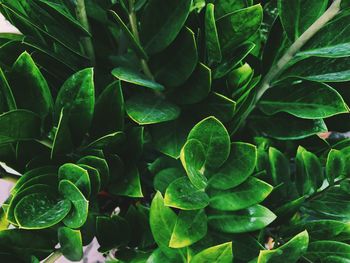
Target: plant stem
[
  {"x": 331, "y": 12},
  {"x": 87, "y": 41},
  {"x": 53, "y": 257},
  {"x": 135, "y": 31}
]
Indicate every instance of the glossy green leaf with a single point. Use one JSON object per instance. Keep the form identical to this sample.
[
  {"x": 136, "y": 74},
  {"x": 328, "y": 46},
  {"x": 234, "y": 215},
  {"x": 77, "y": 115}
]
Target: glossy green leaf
[
  {"x": 165, "y": 177},
  {"x": 100, "y": 164},
  {"x": 41, "y": 210},
  {"x": 36, "y": 96},
  {"x": 182, "y": 194},
  {"x": 77, "y": 96},
  {"x": 133, "y": 77},
  {"x": 251, "y": 192},
  {"x": 71, "y": 243},
  {"x": 335, "y": 166},
  {"x": 212, "y": 134},
  {"x": 190, "y": 227},
  {"x": 17, "y": 125},
  {"x": 321, "y": 249},
  {"x": 151, "y": 109},
  {"x": 62, "y": 142},
  {"x": 220, "y": 254},
  {"x": 46, "y": 179},
  {"x": 6, "y": 89},
  {"x": 107, "y": 140},
  {"x": 246, "y": 220},
  {"x": 193, "y": 159},
  {"x": 308, "y": 100},
  {"x": 211, "y": 36},
  {"x": 297, "y": 16},
  {"x": 238, "y": 167},
  {"x": 130, "y": 184},
  {"x": 174, "y": 65},
  {"x": 78, "y": 215},
  {"x": 161, "y": 22},
  {"x": 291, "y": 252},
  {"x": 238, "y": 26},
  {"x": 279, "y": 166}
]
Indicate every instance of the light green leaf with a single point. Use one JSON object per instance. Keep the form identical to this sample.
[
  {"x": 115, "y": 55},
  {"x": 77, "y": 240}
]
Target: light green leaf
[
  {"x": 165, "y": 177},
  {"x": 218, "y": 254},
  {"x": 71, "y": 243},
  {"x": 335, "y": 165},
  {"x": 182, "y": 194},
  {"x": 211, "y": 36},
  {"x": 190, "y": 227},
  {"x": 238, "y": 167}
]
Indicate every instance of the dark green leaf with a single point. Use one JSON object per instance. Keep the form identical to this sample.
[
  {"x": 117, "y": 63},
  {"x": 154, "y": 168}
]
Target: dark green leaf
[
  {"x": 6, "y": 89},
  {"x": 62, "y": 142},
  {"x": 71, "y": 243},
  {"x": 335, "y": 166},
  {"x": 321, "y": 249},
  {"x": 165, "y": 177},
  {"x": 99, "y": 164},
  {"x": 211, "y": 36},
  {"x": 223, "y": 7},
  {"x": 129, "y": 184}
]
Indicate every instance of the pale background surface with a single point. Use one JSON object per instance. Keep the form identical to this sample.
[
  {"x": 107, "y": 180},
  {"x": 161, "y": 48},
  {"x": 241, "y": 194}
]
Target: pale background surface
[{"x": 91, "y": 254}]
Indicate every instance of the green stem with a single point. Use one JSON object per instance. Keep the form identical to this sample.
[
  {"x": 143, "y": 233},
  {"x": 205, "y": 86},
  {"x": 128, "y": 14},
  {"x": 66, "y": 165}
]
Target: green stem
[
  {"x": 53, "y": 257},
  {"x": 83, "y": 19},
  {"x": 135, "y": 31}
]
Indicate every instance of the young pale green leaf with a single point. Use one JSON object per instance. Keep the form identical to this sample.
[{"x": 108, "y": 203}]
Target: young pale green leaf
[
  {"x": 109, "y": 103},
  {"x": 80, "y": 206},
  {"x": 182, "y": 194},
  {"x": 77, "y": 175},
  {"x": 62, "y": 142},
  {"x": 219, "y": 254},
  {"x": 211, "y": 36},
  {"x": 247, "y": 220},
  {"x": 238, "y": 167},
  {"x": 161, "y": 22},
  {"x": 41, "y": 210},
  {"x": 175, "y": 65},
  {"x": 297, "y": 16},
  {"x": 193, "y": 158},
  {"x": 307, "y": 100},
  {"x": 130, "y": 184},
  {"x": 335, "y": 165},
  {"x": 36, "y": 96},
  {"x": 319, "y": 250},
  {"x": 77, "y": 97},
  {"x": 190, "y": 227},
  {"x": 151, "y": 109},
  {"x": 19, "y": 125},
  {"x": 71, "y": 243},
  {"x": 133, "y": 77},
  {"x": 212, "y": 134},
  {"x": 251, "y": 192},
  {"x": 165, "y": 177},
  {"x": 99, "y": 164},
  {"x": 291, "y": 252},
  {"x": 224, "y": 7},
  {"x": 237, "y": 27}
]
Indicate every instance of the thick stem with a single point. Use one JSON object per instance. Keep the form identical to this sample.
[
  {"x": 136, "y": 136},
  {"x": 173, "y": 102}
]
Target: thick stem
[
  {"x": 331, "y": 12},
  {"x": 135, "y": 31},
  {"x": 83, "y": 19},
  {"x": 53, "y": 257}
]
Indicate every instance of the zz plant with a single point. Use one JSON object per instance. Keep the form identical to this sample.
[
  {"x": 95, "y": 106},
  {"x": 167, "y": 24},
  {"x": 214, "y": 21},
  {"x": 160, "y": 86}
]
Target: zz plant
[{"x": 176, "y": 131}]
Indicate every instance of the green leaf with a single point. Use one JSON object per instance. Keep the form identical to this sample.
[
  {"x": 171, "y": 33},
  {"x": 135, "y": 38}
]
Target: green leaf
[
  {"x": 109, "y": 103},
  {"x": 129, "y": 184},
  {"x": 279, "y": 167},
  {"x": 219, "y": 254},
  {"x": 107, "y": 140},
  {"x": 224, "y": 7},
  {"x": 329, "y": 41},
  {"x": 98, "y": 163},
  {"x": 182, "y": 194},
  {"x": 190, "y": 227},
  {"x": 77, "y": 217},
  {"x": 174, "y": 65},
  {"x": 288, "y": 128},
  {"x": 106, "y": 229},
  {"x": 71, "y": 243},
  {"x": 165, "y": 177},
  {"x": 246, "y": 220},
  {"x": 130, "y": 36},
  {"x": 321, "y": 249},
  {"x": 41, "y": 210},
  {"x": 297, "y": 16},
  {"x": 6, "y": 89},
  {"x": 238, "y": 26},
  {"x": 212, "y": 134},
  {"x": 134, "y": 77},
  {"x": 36, "y": 96},
  {"x": 238, "y": 167},
  {"x": 62, "y": 142},
  {"x": 150, "y": 109},
  {"x": 19, "y": 125},
  {"x": 335, "y": 259},
  {"x": 77, "y": 175},
  {"x": 211, "y": 36},
  {"x": 161, "y": 21},
  {"x": 94, "y": 177},
  {"x": 307, "y": 100},
  {"x": 335, "y": 165},
  {"x": 162, "y": 221},
  {"x": 251, "y": 192},
  {"x": 193, "y": 158},
  {"x": 77, "y": 96},
  {"x": 291, "y": 252}
]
